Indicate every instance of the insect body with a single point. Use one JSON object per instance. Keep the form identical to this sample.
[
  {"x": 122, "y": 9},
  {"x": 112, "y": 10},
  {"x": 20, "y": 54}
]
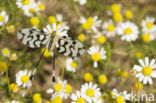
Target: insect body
[{"x": 35, "y": 38}]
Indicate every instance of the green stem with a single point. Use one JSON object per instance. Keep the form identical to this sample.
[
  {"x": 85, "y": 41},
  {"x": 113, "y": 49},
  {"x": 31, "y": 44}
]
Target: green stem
[
  {"x": 8, "y": 81},
  {"x": 12, "y": 10},
  {"x": 77, "y": 9}
]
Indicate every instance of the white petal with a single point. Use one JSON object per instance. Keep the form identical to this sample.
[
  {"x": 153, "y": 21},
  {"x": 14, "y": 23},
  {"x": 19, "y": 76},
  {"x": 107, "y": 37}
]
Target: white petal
[
  {"x": 146, "y": 61},
  {"x": 150, "y": 80},
  {"x": 95, "y": 64},
  {"x": 141, "y": 62},
  {"x": 152, "y": 62},
  {"x": 145, "y": 80},
  {"x": 153, "y": 74},
  {"x": 138, "y": 75},
  {"x": 138, "y": 68}
]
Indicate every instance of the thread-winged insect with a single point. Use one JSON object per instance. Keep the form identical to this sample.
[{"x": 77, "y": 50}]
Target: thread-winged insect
[{"x": 35, "y": 38}]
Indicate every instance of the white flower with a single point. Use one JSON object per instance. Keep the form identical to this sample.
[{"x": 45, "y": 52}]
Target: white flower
[
  {"x": 22, "y": 78},
  {"x": 100, "y": 38},
  {"x": 23, "y": 3},
  {"x": 82, "y": 2},
  {"x": 71, "y": 65},
  {"x": 3, "y": 18},
  {"x": 90, "y": 92},
  {"x": 97, "y": 54},
  {"x": 6, "y": 52},
  {"x": 31, "y": 9},
  {"x": 13, "y": 101},
  {"x": 109, "y": 29},
  {"x": 148, "y": 25},
  {"x": 56, "y": 29},
  {"x": 121, "y": 96},
  {"x": 90, "y": 23},
  {"x": 128, "y": 31},
  {"x": 146, "y": 70},
  {"x": 59, "y": 18},
  {"x": 78, "y": 97}
]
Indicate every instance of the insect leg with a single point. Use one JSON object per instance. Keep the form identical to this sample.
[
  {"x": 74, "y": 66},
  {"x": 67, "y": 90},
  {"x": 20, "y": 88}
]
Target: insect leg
[
  {"x": 53, "y": 69},
  {"x": 31, "y": 77}
]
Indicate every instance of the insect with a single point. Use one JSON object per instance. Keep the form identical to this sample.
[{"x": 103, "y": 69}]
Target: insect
[{"x": 35, "y": 38}]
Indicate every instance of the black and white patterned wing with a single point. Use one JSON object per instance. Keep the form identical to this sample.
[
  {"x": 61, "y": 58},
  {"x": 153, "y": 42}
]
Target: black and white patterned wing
[
  {"x": 32, "y": 37},
  {"x": 70, "y": 47}
]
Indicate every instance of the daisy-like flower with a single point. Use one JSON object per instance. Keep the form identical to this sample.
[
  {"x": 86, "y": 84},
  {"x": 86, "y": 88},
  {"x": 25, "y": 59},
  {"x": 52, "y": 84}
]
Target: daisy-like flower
[
  {"x": 31, "y": 9},
  {"x": 41, "y": 6},
  {"x": 82, "y": 2},
  {"x": 56, "y": 98},
  {"x": 22, "y": 78},
  {"x": 91, "y": 23},
  {"x": 90, "y": 92},
  {"x": 71, "y": 65},
  {"x": 3, "y": 18},
  {"x": 97, "y": 54},
  {"x": 121, "y": 97},
  {"x": 109, "y": 28},
  {"x": 23, "y": 3},
  {"x": 146, "y": 70},
  {"x": 100, "y": 38},
  {"x": 147, "y": 37},
  {"x": 128, "y": 31},
  {"x": 78, "y": 97},
  {"x": 148, "y": 25},
  {"x": 59, "y": 88},
  {"x": 56, "y": 29},
  {"x": 58, "y": 20},
  {"x": 6, "y": 52}
]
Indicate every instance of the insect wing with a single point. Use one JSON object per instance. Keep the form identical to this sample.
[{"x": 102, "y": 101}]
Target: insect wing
[
  {"x": 69, "y": 47},
  {"x": 32, "y": 37}
]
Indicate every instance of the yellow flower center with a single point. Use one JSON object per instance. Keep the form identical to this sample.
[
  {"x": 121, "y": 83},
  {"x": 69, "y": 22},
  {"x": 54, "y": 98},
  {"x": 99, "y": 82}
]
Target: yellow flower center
[
  {"x": 128, "y": 31},
  {"x": 80, "y": 100},
  {"x": 88, "y": 77},
  {"x": 51, "y": 19},
  {"x": 115, "y": 8},
  {"x": 146, "y": 38},
  {"x": 6, "y": 51},
  {"x": 1, "y": 18},
  {"x": 101, "y": 39},
  {"x": 3, "y": 67},
  {"x": 37, "y": 98},
  {"x": 31, "y": 10},
  {"x": 74, "y": 64},
  {"x": 102, "y": 79},
  {"x": 111, "y": 27},
  {"x": 96, "y": 57},
  {"x": 68, "y": 89},
  {"x": 34, "y": 21},
  {"x": 147, "y": 71},
  {"x": 117, "y": 17},
  {"x": 13, "y": 87},
  {"x": 25, "y": 2},
  {"x": 57, "y": 100},
  {"x": 90, "y": 21},
  {"x": 138, "y": 86},
  {"x": 128, "y": 14},
  {"x": 81, "y": 37},
  {"x": 57, "y": 87},
  {"x": 120, "y": 99},
  {"x": 149, "y": 25},
  {"x": 41, "y": 6},
  {"x": 90, "y": 92},
  {"x": 86, "y": 26},
  {"x": 25, "y": 79}
]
